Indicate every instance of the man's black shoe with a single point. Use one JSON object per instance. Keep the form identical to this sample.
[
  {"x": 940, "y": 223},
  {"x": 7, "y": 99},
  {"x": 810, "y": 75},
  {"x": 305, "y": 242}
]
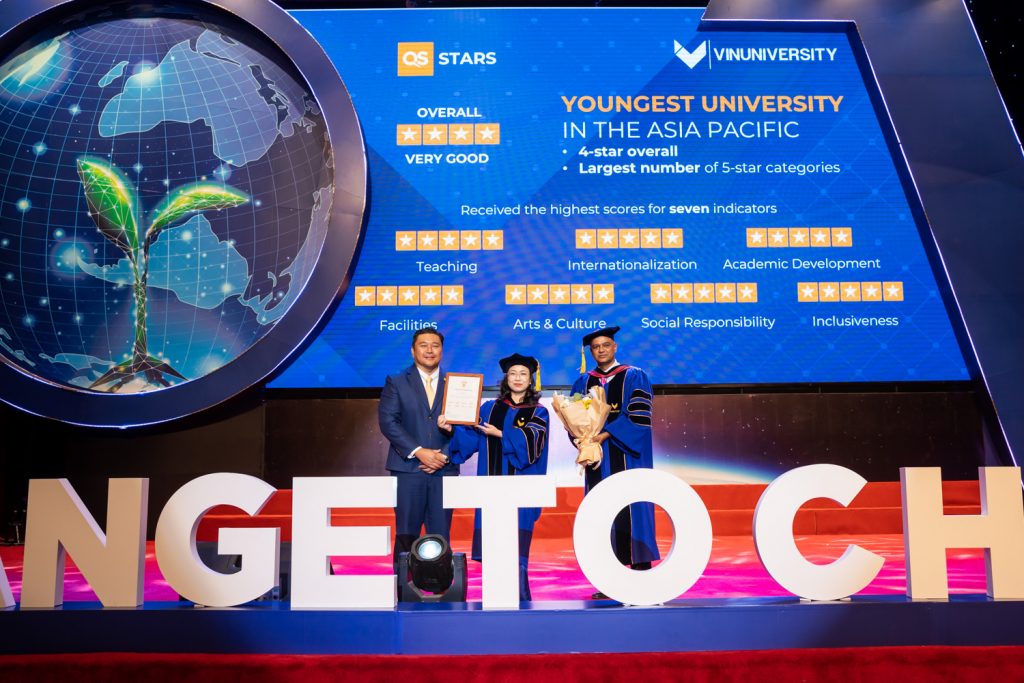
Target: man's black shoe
[{"x": 599, "y": 596}]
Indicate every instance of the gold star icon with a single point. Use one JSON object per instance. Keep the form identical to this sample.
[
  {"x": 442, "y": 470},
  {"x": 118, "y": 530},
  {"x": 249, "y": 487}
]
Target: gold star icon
[
  {"x": 387, "y": 296},
  {"x": 849, "y": 291},
  {"x": 581, "y": 294},
  {"x": 405, "y": 241},
  {"x": 608, "y": 239},
  {"x": 672, "y": 237},
  {"x": 409, "y": 296},
  {"x": 778, "y": 237},
  {"x": 807, "y": 291},
  {"x": 448, "y": 240},
  {"x": 892, "y": 291},
  {"x": 430, "y": 295},
  {"x": 820, "y": 237},
  {"x": 661, "y": 294},
  {"x": 757, "y": 237},
  {"x": 560, "y": 294},
  {"x": 366, "y": 296},
  {"x": 842, "y": 237},
  {"x": 871, "y": 291},
  {"x": 515, "y": 294},
  {"x": 538, "y": 294},
  {"x": 828, "y": 291},
  {"x": 460, "y": 134},
  {"x": 650, "y": 238},
  {"x": 470, "y": 240},
  {"x": 494, "y": 240},
  {"x": 408, "y": 134},
  {"x": 704, "y": 292},
  {"x": 435, "y": 134},
  {"x": 488, "y": 133},
  {"x": 426, "y": 240},
  {"x": 799, "y": 237},
  {"x": 586, "y": 239},
  {"x": 629, "y": 238},
  {"x": 682, "y": 293},
  {"x": 604, "y": 294},
  {"x": 451, "y": 295},
  {"x": 746, "y": 292},
  {"x": 725, "y": 293}
]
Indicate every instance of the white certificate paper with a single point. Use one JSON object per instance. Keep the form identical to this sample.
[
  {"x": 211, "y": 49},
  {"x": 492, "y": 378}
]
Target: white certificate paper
[{"x": 462, "y": 392}]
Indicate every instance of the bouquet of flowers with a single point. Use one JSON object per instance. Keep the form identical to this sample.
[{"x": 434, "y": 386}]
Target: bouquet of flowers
[{"x": 584, "y": 416}]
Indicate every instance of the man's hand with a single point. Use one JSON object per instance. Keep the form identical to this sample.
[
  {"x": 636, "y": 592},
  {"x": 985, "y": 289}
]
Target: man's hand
[
  {"x": 430, "y": 460},
  {"x": 602, "y": 437}
]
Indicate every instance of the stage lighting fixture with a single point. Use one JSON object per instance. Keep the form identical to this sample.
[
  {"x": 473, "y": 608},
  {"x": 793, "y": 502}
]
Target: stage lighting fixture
[{"x": 430, "y": 572}]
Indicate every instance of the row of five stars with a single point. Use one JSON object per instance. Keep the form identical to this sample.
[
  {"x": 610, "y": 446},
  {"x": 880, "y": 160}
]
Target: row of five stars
[{"x": 799, "y": 237}]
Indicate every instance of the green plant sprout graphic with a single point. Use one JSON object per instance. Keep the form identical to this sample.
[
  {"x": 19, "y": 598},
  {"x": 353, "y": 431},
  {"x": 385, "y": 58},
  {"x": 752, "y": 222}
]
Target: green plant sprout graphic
[{"x": 116, "y": 211}]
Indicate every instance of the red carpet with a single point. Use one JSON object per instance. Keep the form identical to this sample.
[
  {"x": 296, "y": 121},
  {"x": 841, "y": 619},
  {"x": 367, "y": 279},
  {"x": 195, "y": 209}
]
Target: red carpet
[{"x": 848, "y": 665}]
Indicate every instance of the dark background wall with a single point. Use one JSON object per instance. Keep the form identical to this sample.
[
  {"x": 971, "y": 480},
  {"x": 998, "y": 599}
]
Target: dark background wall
[{"x": 873, "y": 430}]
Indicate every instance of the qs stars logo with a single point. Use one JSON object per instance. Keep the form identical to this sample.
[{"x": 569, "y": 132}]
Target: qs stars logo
[{"x": 415, "y": 59}]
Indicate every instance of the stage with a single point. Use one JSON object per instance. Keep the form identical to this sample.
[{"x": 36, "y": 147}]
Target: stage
[{"x": 735, "y": 605}]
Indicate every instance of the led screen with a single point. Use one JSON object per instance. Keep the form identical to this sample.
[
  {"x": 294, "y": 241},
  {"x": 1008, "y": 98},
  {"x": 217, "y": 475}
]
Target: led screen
[{"x": 727, "y": 197}]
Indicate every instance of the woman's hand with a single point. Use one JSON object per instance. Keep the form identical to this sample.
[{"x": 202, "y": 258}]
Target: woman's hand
[
  {"x": 489, "y": 429},
  {"x": 442, "y": 423}
]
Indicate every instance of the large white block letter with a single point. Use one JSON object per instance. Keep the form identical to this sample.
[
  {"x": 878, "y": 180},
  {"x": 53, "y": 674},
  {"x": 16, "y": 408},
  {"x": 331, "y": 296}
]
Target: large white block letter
[
  {"x": 927, "y": 532},
  {"x": 58, "y": 521},
  {"x": 691, "y": 548},
  {"x": 499, "y": 500},
  {"x": 178, "y": 557},
  {"x": 773, "y": 534},
  {"x": 314, "y": 540}
]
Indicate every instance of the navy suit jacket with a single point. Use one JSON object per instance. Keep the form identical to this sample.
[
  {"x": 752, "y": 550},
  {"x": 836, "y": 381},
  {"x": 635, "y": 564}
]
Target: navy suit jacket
[{"x": 408, "y": 422}]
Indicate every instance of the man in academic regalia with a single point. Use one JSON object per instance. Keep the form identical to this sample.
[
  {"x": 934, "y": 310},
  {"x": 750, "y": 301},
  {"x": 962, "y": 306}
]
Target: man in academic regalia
[{"x": 626, "y": 441}]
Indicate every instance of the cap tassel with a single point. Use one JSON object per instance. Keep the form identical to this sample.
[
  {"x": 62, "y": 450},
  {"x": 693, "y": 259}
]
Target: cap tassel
[
  {"x": 583, "y": 359},
  {"x": 536, "y": 378}
]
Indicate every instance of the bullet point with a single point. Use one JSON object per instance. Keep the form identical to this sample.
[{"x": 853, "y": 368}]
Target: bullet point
[{"x": 565, "y": 168}]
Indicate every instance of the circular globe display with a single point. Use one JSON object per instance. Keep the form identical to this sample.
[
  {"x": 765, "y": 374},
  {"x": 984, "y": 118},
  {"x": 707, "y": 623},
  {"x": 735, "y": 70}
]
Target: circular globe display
[{"x": 168, "y": 185}]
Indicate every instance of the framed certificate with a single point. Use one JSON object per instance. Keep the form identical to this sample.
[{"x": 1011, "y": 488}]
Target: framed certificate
[{"x": 461, "y": 404}]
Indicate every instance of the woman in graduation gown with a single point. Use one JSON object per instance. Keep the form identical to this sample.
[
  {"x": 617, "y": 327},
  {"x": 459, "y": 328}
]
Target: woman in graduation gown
[{"x": 512, "y": 440}]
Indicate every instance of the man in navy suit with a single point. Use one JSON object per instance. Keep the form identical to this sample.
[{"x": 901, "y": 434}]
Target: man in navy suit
[{"x": 418, "y": 458}]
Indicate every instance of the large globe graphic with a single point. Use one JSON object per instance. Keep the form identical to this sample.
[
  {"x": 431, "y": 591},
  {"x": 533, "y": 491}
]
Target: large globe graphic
[{"x": 167, "y": 184}]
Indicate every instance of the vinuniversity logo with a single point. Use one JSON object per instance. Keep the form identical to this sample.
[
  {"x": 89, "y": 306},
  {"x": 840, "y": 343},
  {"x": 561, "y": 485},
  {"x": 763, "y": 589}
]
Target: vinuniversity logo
[{"x": 690, "y": 59}]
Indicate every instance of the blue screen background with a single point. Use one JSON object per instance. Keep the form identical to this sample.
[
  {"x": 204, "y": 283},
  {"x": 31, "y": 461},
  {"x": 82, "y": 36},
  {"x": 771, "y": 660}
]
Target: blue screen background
[{"x": 541, "y": 55}]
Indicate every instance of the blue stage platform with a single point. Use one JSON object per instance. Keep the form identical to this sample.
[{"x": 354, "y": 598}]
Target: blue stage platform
[{"x": 549, "y": 627}]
